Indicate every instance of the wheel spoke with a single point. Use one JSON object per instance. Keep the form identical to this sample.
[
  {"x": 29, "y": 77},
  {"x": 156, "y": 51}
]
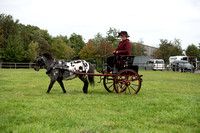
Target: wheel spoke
[
  {"x": 110, "y": 86},
  {"x": 129, "y": 90},
  {"x": 123, "y": 89},
  {"x": 134, "y": 80},
  {"x": 109, "y": 82},
  {"x": 134, "y": 84},
  {"x": 133, "y": 88},
  {"x": 120, "y": 81},
  {"x": 120, "y": 85}
]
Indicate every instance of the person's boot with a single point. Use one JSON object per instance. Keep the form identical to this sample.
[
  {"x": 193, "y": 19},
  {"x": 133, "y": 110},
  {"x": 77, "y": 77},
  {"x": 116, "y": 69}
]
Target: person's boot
[
  {"x": 114, "y": 69},
  {"x": 108, "y": 68}
]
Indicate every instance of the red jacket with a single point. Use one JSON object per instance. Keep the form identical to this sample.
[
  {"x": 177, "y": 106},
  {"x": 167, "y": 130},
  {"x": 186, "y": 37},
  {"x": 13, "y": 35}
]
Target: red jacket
[{"x": 124, "y": 48}]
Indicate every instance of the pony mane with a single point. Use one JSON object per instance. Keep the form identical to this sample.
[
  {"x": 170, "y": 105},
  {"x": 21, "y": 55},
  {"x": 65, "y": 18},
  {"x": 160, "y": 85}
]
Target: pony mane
[{"x": 47, "y": 55}]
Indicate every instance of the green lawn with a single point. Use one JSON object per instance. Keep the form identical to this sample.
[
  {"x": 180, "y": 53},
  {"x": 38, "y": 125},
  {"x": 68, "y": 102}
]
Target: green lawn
[{"x": 167, "y": 102}]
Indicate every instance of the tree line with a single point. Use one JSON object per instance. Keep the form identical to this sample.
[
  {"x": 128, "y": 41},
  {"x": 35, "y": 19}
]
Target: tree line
[
  {"x": 21, "y": 43},
  {"x": 173, "y": 48}
]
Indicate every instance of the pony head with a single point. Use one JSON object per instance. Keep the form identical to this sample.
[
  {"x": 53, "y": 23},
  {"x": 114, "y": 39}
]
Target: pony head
[
  {"x": 42, "y": 60},
  {"x": 39, "y": 62}
]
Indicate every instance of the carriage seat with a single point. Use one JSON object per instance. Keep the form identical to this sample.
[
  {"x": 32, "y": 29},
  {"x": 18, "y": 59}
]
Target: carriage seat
[{"x": 127, "y": 60}]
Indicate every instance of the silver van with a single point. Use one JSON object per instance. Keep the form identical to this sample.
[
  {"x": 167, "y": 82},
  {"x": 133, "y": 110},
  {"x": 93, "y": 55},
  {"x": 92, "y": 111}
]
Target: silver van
[{"x": 155, "y": 64}]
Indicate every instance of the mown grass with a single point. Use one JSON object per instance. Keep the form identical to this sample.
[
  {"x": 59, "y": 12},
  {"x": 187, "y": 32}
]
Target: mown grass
[{"x": 167, "y": 102}]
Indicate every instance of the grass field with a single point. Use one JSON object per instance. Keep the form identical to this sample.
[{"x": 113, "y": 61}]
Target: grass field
[{"x": 167, "y": 102}]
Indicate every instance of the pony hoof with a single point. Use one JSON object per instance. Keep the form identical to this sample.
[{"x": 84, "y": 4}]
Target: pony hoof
[
  {"x": 47, "y": 92},
  {"x": 64, "y": 92}
]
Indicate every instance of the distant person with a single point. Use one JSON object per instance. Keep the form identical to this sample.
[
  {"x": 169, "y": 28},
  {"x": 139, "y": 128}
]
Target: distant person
[{"x": 123, "y": 49}]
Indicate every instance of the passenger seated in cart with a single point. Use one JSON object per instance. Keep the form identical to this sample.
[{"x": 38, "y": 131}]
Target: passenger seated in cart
[{"x": 123, "y": 49}]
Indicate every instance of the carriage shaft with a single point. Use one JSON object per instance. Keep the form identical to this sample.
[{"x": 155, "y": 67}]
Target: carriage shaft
[{"x": 95, "y": 74}]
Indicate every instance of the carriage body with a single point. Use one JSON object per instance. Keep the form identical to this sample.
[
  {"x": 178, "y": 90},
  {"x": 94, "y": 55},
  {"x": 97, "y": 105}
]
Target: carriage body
[
  {"x": 126, "y": 79},
  {"x": 126, "y": 62}
]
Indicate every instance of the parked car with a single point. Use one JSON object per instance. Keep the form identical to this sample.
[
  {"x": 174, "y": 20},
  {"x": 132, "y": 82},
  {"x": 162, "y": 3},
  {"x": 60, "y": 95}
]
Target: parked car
[
  {"x": 155, "y": 64},
  {"x": 182, "y": 66}
]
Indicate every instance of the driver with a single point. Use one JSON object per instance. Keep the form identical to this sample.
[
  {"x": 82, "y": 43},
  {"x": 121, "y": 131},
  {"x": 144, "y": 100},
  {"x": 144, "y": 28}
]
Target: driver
[{"x": 123, "y": 49}]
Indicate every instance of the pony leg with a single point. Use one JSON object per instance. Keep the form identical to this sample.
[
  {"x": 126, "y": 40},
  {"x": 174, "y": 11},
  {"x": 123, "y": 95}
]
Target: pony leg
[
  {"x": 53, "y": 76},
  {"x": 50, "y": 85},
  {"x": 61, "y": 84},
  {"x": 84, "y": 79}
]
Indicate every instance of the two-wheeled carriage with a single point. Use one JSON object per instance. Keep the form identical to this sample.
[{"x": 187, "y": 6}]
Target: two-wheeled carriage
[{"x": 125, "y": 80}]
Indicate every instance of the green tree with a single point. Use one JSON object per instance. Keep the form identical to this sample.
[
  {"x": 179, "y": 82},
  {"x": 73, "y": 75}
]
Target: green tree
[
  {"x": 25, "y": 36},
  {"x": 43, "y": 45},
  {"x": 137, "y": 49},
  {"x": 112, "y": 37},
  {"x": 156, "y": 54},
  {"x": 61, "y": 50},
  {"x": 97, "y": 38},
  {"x": 1, "y": 37},
  {"x": 46, "y": 36},
  {"x": 9, "y": 27},
  {"x": 33, "y": 50},
  {"x": 168, "y": 48},
  {"x": 64, "y": 38},
  {"x": 176, "y": 48},
  {"x": 37, "y": 33},
  {"x": 14, "y": 51},
  {"x": 104, "y": 49},
  {"x": 76, "y": 42},
  {"x": 28, "y": 34},
  {"x": 33, "y": 33},
  {"x": 192, "y": 50},
  {"x": 88, "y": 52}
]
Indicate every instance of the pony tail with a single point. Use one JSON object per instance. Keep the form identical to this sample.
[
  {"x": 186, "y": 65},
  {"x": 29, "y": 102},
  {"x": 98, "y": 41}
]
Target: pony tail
[{"x": 91, "y": 77}]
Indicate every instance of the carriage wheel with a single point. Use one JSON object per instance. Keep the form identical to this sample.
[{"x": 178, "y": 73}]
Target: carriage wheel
[
  {"x": 108, "y": 83},
  {"x": 127, "y": 81}
]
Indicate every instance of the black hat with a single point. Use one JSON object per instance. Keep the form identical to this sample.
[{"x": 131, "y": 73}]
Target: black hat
[{"x": 123, "y": 33}]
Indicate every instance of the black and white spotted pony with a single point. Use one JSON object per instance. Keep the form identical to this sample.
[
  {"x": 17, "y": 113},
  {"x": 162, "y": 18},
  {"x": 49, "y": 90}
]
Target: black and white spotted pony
[{"x": 58, "y": 70}]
